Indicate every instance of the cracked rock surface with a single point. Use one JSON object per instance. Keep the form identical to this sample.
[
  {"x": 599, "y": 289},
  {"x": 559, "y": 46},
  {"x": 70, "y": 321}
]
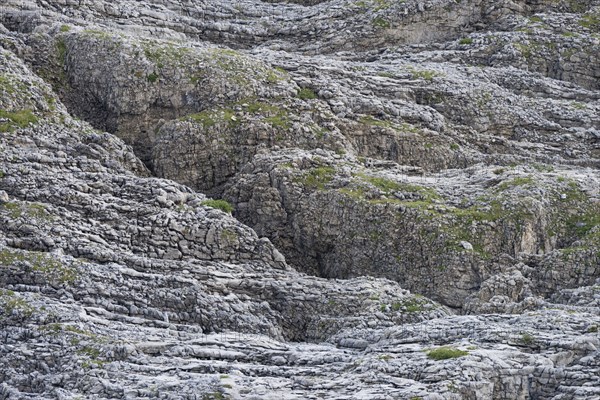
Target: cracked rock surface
[{"x": 414, "y": 185}]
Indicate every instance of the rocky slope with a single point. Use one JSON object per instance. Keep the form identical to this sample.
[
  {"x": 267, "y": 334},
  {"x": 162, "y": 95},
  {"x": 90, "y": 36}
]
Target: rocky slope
[{"x": 415, "y": 196}]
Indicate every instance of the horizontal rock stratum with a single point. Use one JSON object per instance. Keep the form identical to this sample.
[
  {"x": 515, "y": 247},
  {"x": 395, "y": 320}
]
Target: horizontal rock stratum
[{"x": 299, "y": 200}]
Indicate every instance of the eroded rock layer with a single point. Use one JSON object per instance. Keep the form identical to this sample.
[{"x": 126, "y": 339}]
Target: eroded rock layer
[{"x": 414, "y": 185}]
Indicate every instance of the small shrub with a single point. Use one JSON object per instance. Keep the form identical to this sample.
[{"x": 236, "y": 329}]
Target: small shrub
[
  {"x": 307, "y": 94},
  {"x": 527, "y": 339},
  {"x": 219, "y": 204},
  {"x": 65, "y": 28},
  {"x": 445, "y": 353},
  {"x": 425, "y": 74},
  {"x": 414, "y": 305},
  {"x": 152, "y": 78},
  {"x": 381, "y": 23},
  {"x": 465, "y": 41}
]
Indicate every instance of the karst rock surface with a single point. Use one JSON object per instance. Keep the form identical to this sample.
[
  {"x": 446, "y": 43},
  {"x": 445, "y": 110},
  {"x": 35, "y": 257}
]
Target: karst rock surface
[{"x": 415, "y": 189}]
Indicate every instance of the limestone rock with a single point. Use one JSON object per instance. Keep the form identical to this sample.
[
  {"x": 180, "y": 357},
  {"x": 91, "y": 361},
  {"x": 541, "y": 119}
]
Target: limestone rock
[{"x": 414, "y": 187}]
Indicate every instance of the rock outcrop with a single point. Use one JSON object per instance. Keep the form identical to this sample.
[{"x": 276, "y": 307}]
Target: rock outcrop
[{"x": 405, "y": 199}]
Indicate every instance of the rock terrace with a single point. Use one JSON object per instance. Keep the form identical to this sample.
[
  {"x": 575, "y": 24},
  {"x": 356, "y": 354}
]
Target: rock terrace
[{"x": 414, "y": 184}]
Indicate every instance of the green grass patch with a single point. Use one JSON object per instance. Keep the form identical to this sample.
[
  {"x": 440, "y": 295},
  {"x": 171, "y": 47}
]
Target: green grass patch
[
  {"x": 98, "y": 34},
  {"x": 14, "y": 209},
  {"x": 379, "y": 22},
  {"x": 542, "y": 167},
  {"x": 445, "y": 353},
  {"x": 357, "y": 193},
  {"x": 229, "y": 235},
  {"x": 369, "y": 120},
  {"x": 535, "y": 19},
  {"x": 388, "y": 186},
  {"x": 50, "y": 268},
  {"x": 276, "y": 75},
  {"x": 383, "y": 184},
  {"x": 306, "y": 94},
  {"x": 465, "y": 41},
  {"x": 590, "y": 21},
  {"x": 573, "y": 192},
  {"x": 414, "y": 305},
  {"x": 210, "y": 118},
  {"x": 11, "y": 121},
  {"x": 93, "y": 357},
  {"x": 38, "y": 211},
  {"x": 152, "y": 77},
  {"x": 222, "y": 205},
  {"x": 570, "y": 34},
  {"x": 478, "y": 213},
  {"x": 318, "y": 177},
  {"x": 527, "y": 339},
  {"x": 464, "y": 219},
  {"x": 11, "y": 84},
  {"x": 213, "y": 396},
  {"x": 278, "y": 121},
  {"x": 519, "y": 181},
  {"x": 10, "y": 303},
  {"x": 424, "y": 74},
  {"x": 33, "y": 210},
  {"x": 276, "y": 116},
  {"x": 207, "y": 118},
  {"x": 580, "y": 225},
  {"x": 411, "y": 305},
  {"x": 61, "y": 50},
  {"x": 162, "y": 54}
]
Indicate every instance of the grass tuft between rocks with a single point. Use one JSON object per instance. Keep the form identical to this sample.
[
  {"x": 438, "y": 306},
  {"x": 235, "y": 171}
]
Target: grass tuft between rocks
[
  {"x": 222, "y": 205},
  {"x": 445, "y": 353}
]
